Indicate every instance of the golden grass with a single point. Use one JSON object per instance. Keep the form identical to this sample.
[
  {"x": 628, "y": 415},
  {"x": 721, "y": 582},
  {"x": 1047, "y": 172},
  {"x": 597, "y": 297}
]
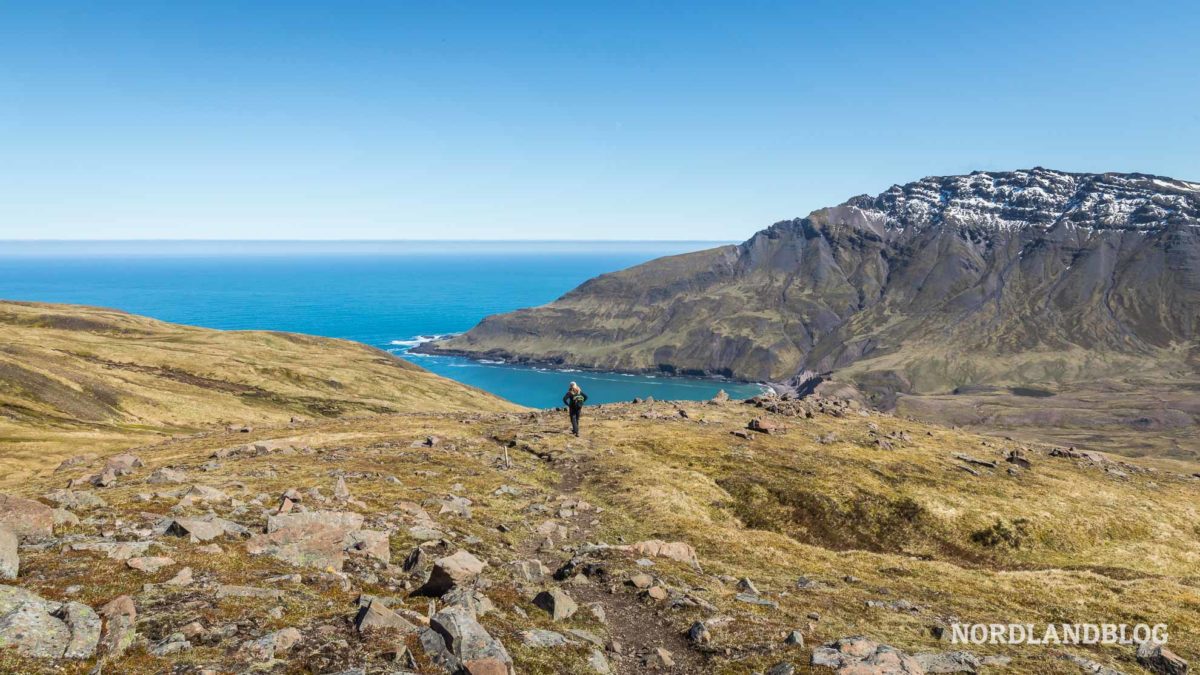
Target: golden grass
[
  {"x": 1095, "y": 548},
  {"x": 75, "y": 380}
]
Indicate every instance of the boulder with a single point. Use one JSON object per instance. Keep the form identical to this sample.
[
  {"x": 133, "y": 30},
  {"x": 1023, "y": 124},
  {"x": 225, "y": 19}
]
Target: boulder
[
  {"x": 763, "y": 425},
  {"x": 862, "y": 656},
  {"x": 32, "y": 631},
  {"x": 1158, "y": 659},
  {"x": 84, "y": 626},
  {"x": 949, "y": 662},
  {"x": 116, "y": 550},
  {"x": 340, "y": 491},
  {"x": 182, "y": 578},
  {"x": 372, "y": 544},
  {"x": 118, "y": 628},
  {"x": 26, "y": 518},
  {"x": 268, "y": 646},
  {"x": 531, "y": 570},
  {"x": 376, "y": 616},
  {"x": 310, "y": 539},
  {"x": 172, "y": 644},
  {"x": 699, "y": 634},
  {"x": 203, "y": 494},
  {"x": 196, "y": 529},
  {"x": 150, "y": 564},
  {"x": 76, "y": 500},
  {"x": 123, "y": 465},
  {"x": 457, "y": 642},
  {"x": 557, "y": 604},
  {"x": 165, "y": 475},
  {"x": 453, "y": 571},
  {"x": 10, "y": 559},
  {"x": 674, "y": 550},
  {"x": 543, "y": 639},
  {"x": 229, "y": 591}
]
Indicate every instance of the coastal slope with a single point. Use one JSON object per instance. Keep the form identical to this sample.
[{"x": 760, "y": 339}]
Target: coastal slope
[{"x": 73, "y": 376}]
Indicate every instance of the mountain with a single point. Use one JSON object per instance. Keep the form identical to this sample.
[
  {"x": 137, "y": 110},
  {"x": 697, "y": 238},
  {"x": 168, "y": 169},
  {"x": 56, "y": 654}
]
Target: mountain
[
  {"x": 1033, "y": 281},
  {"x": 74, "y": 377}
]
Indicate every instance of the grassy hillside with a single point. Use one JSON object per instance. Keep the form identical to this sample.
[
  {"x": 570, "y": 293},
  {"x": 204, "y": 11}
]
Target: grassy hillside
[
  {"x": 840, "y": 534},
  {"x": 81, "y": 379}
]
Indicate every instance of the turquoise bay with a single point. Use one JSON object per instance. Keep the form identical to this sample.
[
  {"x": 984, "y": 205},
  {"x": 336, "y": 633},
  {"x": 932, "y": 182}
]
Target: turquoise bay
[{"x": 390, "y": 295}]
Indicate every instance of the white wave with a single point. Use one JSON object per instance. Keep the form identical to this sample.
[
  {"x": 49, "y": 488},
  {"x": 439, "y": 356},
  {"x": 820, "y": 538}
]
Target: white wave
[{"x": 492, "y": 361}]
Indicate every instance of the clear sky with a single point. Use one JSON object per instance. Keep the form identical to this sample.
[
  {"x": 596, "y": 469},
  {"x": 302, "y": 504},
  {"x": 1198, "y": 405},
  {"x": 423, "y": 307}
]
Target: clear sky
[{"x": 561, "y": 120}]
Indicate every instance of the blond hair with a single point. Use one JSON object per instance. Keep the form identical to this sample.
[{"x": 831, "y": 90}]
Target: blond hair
[{"x": 573, "y": 389}]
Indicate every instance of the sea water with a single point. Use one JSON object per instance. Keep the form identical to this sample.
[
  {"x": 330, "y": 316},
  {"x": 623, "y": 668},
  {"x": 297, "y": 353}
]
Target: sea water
[{"x": 389, "y": 295}]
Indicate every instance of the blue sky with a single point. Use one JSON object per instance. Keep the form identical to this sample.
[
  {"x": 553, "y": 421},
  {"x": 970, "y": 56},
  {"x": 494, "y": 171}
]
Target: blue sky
[{"x": 644, "y": 120}]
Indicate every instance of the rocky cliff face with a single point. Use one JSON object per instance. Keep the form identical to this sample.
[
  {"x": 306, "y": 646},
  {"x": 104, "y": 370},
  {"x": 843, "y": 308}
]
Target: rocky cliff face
[{"x": 991, "y": 278}]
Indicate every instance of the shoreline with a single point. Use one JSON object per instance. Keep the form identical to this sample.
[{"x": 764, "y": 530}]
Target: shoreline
[{"x": 427, "y": 348}]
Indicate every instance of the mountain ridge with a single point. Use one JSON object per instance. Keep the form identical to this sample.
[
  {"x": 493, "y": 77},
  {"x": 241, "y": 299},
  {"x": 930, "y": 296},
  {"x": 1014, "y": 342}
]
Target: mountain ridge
[{"x": 1010, "y": 279}]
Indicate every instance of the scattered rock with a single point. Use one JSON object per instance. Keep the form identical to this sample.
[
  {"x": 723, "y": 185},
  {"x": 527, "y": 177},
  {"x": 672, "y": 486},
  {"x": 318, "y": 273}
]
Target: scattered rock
[
  {"x": 949, "y": 662},
  {"x": 228, "y": 591},
  {"x": 196, "y": 529},
  {"x": 543, "y": 639},
  {"x": 33, "y": 632},
  {"x": 376, "y": 616},
  {"x": 598, "y": 663},
  {"x": 794, "y": 638},
  {"x": 149, "y": 565},
  {"x": 453, "y": 571},
  {"x": 268, "y": 646},
  {"x": 1159, "y": 660},
  {"x": 340, "y": 491},
  {"x": 84, "y": 626},
  {"x": 862, "y": 656},
  {"x": 699, "y": 634},
  {"x": 763, "y": 425},
  {"x": 118, "y": 628},
  {"x": 310, "y": 539},
  {"x": 457, "y": 642},
  {"x": 557, "y": 604},
  {"x": 659, "y": 658},
  {"x": 165, "y": 475},
  {"x": 182, "y": 578},
  {"x": 674, "y": 550},
  {"x": 10, "y": 559},
  {"x": 26, "y": 518}
]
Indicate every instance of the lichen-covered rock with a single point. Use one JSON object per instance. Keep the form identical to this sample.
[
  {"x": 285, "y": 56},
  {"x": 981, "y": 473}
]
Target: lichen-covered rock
[
  {"x": 32, "y": 631},
  {"x": 10, "y": 559},
  {"x": 84, "y": 625},
  {"x": 118, "y": 628},
  {"x": 311, "y": 539},
  {"x": 376, "y": 616},
  {"x": 862, "y": 656},
  {"x": 26, "y": 518},
  {"x": 457, "y": 642},
  {"x": 453, "y": 571},
  {"x": 271, "y": 645}
]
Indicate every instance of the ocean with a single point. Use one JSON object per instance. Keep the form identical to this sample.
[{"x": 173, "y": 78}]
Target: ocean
[{"x": 389, "y": 295}]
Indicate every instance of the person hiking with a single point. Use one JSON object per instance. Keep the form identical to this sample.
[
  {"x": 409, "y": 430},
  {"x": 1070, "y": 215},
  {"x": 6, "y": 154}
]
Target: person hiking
[{"x": 574, "y": 400}]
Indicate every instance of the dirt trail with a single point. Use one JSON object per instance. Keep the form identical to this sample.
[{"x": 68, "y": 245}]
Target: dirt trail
[{"x": 638, "y": 626}]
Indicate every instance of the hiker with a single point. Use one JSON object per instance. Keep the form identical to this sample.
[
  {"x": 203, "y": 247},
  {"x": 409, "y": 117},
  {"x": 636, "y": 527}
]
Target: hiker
[{"x": 574, "y": 400}]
